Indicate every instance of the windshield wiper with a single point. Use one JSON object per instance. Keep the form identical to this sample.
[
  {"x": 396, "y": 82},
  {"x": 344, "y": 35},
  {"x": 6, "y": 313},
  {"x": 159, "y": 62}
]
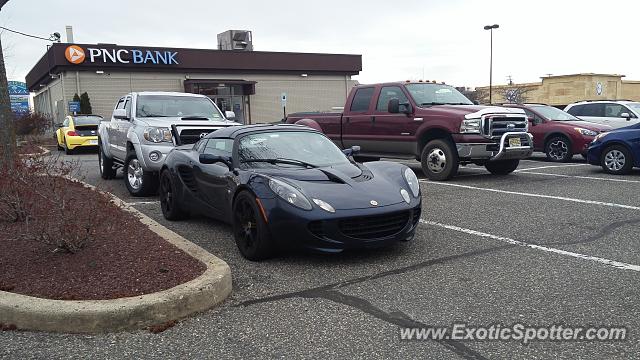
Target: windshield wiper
[
  {"x": 195, "y": 117},
  {"x": 282, "y": 161},
  {"x": 154, "y": 115}
]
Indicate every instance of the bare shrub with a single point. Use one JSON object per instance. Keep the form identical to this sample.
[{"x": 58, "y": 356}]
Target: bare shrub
[
  {"x": 32, "y": 124},
  {"x": 38, "y": 204}
]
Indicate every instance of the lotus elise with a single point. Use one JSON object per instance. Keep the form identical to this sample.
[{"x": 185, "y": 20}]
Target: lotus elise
[{"x": 289, "y": 186}]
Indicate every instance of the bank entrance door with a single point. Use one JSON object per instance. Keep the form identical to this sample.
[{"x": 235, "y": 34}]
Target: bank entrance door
[{"x": 229, "y": 95}]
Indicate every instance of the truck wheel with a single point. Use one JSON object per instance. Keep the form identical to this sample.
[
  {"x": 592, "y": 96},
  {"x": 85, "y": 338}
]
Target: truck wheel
[
  {"x": 138, "y": 181},
  {"x": 502, "y": 167},
  {"x": 616, "y": 159},
  {"x": 105, "y": 164},
  {"x": 439, "y": 160},
  {"x": 558, "y": 149}
]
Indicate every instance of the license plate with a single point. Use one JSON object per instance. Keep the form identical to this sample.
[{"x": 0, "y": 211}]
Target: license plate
[
  {"x": 514, "y": 142},
  {"x": 93, "y": 142}
]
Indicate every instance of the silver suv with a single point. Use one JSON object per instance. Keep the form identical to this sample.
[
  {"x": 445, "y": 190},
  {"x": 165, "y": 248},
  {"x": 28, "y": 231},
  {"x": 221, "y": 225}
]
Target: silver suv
[
  {"x": 145, "y": 126},
  {"x": 615, "y": 113}
]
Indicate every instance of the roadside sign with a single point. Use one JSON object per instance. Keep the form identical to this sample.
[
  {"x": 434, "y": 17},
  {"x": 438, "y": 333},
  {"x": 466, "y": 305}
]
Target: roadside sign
[
  {"x": 19, "y": 97},
  {"x": 283, "y": 99},
  {"x": 74, "y": 107}
]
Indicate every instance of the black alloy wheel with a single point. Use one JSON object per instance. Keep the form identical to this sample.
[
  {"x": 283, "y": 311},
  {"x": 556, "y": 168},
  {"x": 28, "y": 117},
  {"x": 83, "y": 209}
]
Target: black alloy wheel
[{"x": 249, "y": 228}]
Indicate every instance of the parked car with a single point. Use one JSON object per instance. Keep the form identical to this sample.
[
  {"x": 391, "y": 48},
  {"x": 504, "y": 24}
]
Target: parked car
[
  {"x": 78, "y": 131},
  {"x": 615, "y": 113},
  {"x": 558, "y": 134},
  {"x": 432, "y": 123},
  {"x": 145, "y": 126},
  {"x": 290, "y": 186},
  {"x": 617, "y": 151}
]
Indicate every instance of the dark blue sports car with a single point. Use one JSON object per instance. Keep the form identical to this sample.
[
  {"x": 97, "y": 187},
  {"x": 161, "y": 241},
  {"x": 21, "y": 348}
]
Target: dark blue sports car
[
  {"x": 290, "y": 186},
  {"x": 617, "y": 151}
]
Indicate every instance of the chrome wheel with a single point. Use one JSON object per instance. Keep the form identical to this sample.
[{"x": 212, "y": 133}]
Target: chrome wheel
[
  {"x": 615, "y": 160},
  {"x": 558, "y": 150},
  {"x": 134, "y": 174},
  {"x": 436, "y": 160}
]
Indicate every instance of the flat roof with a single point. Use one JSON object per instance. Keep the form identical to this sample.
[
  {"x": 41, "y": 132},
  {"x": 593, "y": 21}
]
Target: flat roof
[{"x": 111, "y": 57}]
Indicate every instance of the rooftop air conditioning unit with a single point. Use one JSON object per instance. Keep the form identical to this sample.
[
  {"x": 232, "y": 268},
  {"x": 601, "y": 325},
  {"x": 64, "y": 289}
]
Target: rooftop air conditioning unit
[{"x": 235, "y": 40}]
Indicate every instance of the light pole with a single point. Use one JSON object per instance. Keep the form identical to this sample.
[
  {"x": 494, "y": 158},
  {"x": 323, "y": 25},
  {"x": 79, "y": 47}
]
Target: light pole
[{"x": 490, "y": 28}]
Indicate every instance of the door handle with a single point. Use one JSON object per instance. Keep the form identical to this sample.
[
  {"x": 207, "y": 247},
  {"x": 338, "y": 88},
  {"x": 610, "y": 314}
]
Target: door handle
[
  {"x": 346, "y": 119},
  {"x": 373, "y": 119}
]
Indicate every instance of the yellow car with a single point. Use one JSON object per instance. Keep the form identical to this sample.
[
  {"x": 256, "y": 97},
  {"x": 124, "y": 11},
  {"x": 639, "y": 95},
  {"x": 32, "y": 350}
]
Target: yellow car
[{"x": 78, "y": 131}]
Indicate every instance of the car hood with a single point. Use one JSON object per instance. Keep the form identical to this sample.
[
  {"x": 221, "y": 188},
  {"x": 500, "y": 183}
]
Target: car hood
[
  {"x": 344, "y": 186},
  {"x": 585, "y": 125},
  {"x": 168, "y": 121},
  {"x": 473, "y": 111}
]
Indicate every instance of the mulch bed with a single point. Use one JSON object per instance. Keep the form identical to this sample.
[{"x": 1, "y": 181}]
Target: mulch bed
[{"x": 123, "y": 257}]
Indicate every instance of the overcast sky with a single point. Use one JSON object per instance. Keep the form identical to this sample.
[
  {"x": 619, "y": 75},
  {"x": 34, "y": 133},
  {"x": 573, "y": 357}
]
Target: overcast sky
[{"x": 398, "y": 40}]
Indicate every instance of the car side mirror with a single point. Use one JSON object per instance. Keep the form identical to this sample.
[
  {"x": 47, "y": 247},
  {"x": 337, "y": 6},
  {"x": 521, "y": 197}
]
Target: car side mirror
[
  {"x": 230, "y": 115},
  {"x": 393, "y": 106},
  {"x": 59, "y": 125},
  {"x": 475, "y": 102},
  {"x": 213, "y": 159},
  {"x": 626, "y": 115},
  {"x": 120, "y": 114},
  {"x": 352, "y": 150},
  {"x": 532, "y": 120}
]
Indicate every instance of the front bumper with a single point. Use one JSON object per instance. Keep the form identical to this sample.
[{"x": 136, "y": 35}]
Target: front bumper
[
  {"x": 594, "y": 152},
  {"x": 81, "y": 141},
  {"x": 498, "y": 151},
  {"x": 144, "y": 151},
  {"x": 321, "y": 231}
]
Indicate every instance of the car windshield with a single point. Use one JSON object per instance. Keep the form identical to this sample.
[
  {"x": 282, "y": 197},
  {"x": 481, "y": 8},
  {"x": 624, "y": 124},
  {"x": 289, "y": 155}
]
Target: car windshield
[
  {"x": 86, "y": 120},
  {"x": 425, "y": 94},
  {"x": 554, "y": 114},
  {"x": 176, "y": 106},
  {"x": 634, "y": 106},
  {"x": 288, "y": 149}
]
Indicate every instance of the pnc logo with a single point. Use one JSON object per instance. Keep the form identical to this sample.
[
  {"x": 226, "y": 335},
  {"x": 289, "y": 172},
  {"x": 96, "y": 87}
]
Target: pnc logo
[{"x": 74, "y": 54}]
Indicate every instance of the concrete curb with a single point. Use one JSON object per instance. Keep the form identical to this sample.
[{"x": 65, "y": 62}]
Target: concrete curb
[
  {"x": 96, "y": 316},
  {"x": 43, "y": 153}
]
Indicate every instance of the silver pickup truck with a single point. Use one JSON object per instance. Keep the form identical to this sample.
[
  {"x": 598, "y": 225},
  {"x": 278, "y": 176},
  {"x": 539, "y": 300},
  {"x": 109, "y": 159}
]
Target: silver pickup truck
[{"x": 145, "y": 126}]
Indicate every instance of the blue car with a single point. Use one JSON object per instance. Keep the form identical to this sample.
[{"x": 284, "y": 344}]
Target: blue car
[
  {"x": 286, "y": 186},
  {"x": 617, "y": 151}
]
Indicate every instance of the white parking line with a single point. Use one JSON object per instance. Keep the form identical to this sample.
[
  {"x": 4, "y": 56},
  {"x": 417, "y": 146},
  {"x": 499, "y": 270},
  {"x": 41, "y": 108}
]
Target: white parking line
[
  {"x": 581, "y": 201},
  {"x": 549, "y": 167},
  {"x": 583, "y": 177},
  {"x": 612, "y": 263}
]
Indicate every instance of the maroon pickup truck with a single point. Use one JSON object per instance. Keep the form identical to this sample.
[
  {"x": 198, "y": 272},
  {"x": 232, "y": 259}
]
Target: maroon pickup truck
[{"x": 430, "y": 122}]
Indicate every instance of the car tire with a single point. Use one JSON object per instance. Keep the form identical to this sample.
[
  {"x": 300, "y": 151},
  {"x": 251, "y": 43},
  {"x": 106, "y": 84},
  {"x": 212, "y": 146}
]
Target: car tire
[
  {"x": 250, "y": 230},
  {"x": 617, "y": 160},
  {"x": 439, "y": 160},
  {"x": 105, "y": 165},
  {"x": 558, "y": 149},
  {"x": 502, "y": 167},
  {"x": 55, "y": 136},
  {"x": 138, "y": 181},
  {"x": 169, "y": 202},
  {"x": 66, "y": 147}
]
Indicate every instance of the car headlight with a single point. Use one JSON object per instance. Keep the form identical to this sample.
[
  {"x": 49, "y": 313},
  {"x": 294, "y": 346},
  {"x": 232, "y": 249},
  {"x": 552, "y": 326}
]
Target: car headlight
[
  {"x": 289, "y": 194},
  {"x": 412, "y": 181},
  {"x": 470, "y": 126},
  {"x": 324, "y": 205},
  {"x": 599, "y": 137},
  {"x": 157, "y": 134},
  {"x": 586, "y": 132}
]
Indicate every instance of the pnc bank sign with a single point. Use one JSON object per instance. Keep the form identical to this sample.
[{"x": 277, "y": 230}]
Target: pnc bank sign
[{"x": 77, "y": 55}]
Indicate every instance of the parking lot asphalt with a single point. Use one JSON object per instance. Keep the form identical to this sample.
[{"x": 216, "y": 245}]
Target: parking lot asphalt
[{"x": 549, "y": 244}]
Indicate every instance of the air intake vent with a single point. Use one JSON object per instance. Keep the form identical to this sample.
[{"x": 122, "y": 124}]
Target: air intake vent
[
  {"x": 186, "y": 174},
  {"x": 375, "y": 227}
]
